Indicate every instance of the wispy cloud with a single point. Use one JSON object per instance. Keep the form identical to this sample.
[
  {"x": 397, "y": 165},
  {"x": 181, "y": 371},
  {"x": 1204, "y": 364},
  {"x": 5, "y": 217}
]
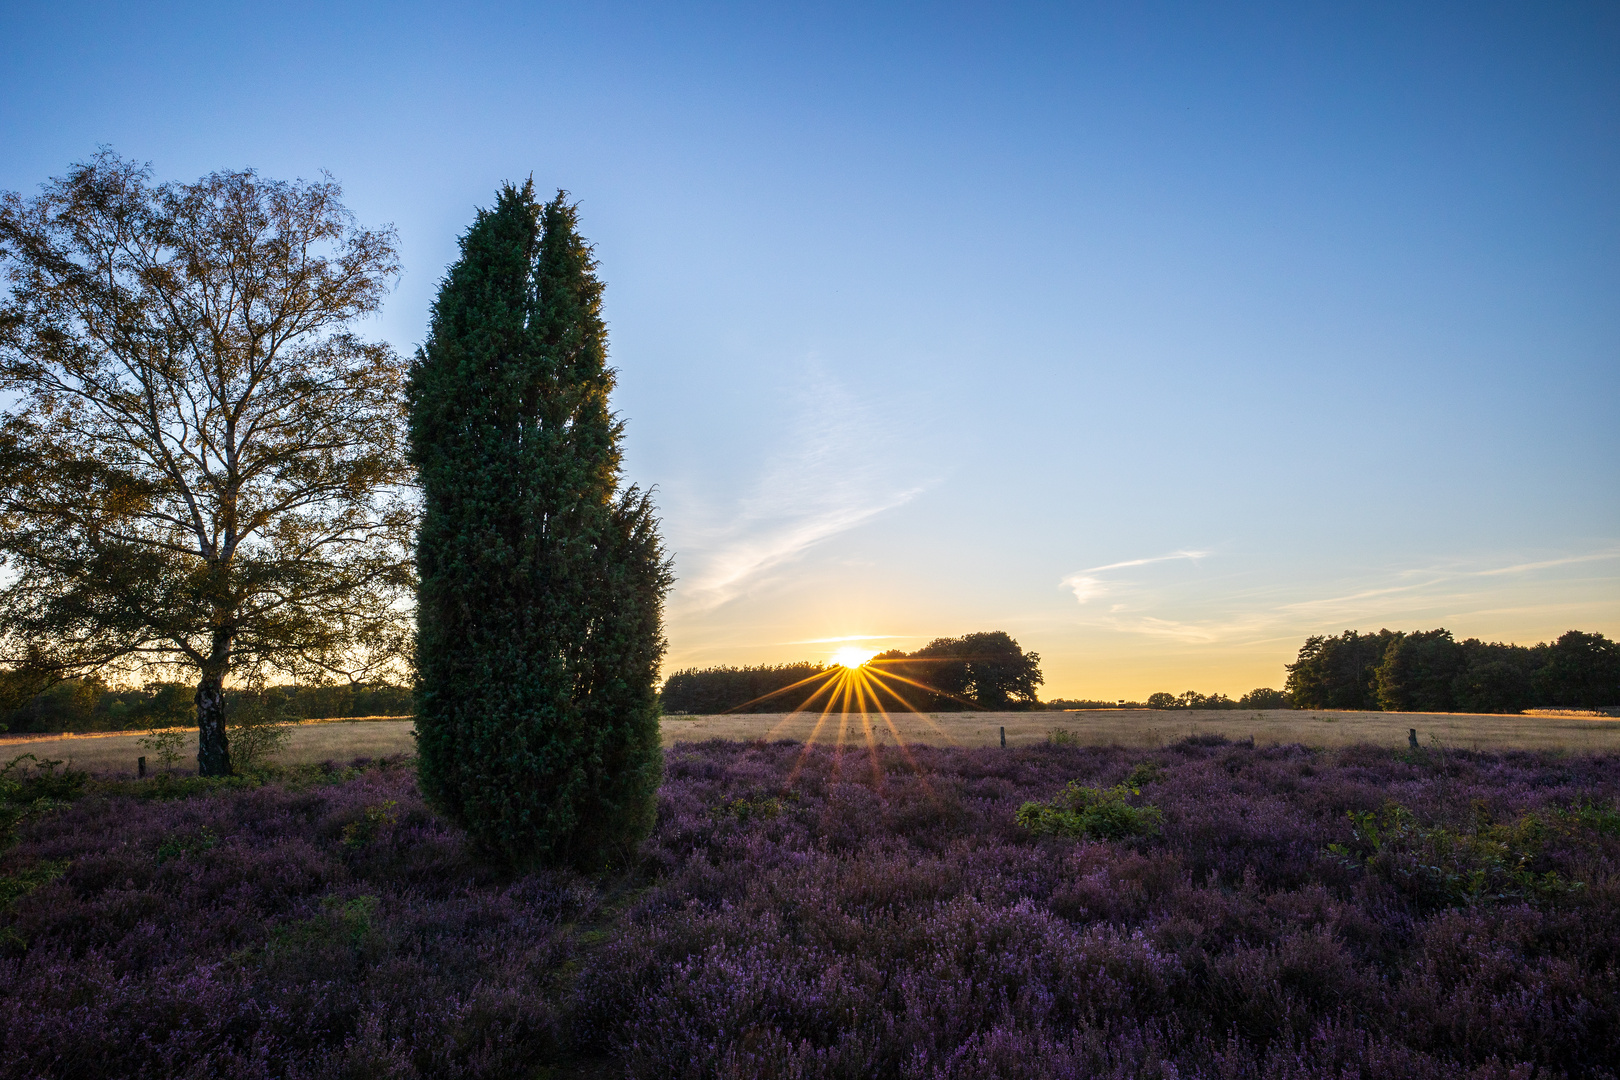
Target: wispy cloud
[
  {"x": 834, "y": 473},
  {"x": 1250, "y": 628},
  {"x": 1525, "y": 568},
  {"x": 1443, "y": 592},
  {"x": 1087, "y": 586},
  {"x": 754, "y": 547},
  {"x": 1423, "y": 587}
]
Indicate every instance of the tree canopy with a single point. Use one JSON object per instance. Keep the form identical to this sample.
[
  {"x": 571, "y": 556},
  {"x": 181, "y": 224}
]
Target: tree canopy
[
  {"x": 199, "y": 469},
  {"x": 987, "y": 669}
]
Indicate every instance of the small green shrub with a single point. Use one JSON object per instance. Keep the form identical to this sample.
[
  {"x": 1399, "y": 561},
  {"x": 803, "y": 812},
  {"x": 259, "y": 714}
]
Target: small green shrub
[
  {"x": 1439, "y": 866},
  {"x": 1148, "y": 772},
  {"x": 1062, "y": 737},
  {"x": 1605, "y": 821},
  {"x": 15, "y": 886},
  {"x": 165, "y": 744},
  {"x": 1097, "y": 813},
  {"x": 351, "y": 918},
  {"x": 166, "y": 786},
  {"x": 177, "y": 845},
  {"x": 258, "y": 728},
  {"x": 47, "y": 781},
  {"x": 341, "y": 938},
  {"x": 378, "y": 817},
  {"x": 746, "y": 810},
  {"x": 24, "y": 795}
]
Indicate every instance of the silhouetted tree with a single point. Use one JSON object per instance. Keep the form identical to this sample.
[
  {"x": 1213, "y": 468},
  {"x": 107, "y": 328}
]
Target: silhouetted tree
[
  {"x": 1418, "y": 672},
  {"x": 1264, "y": 698},
  {"x": 1429, "y": 671},
  {"x": 987, "y": 668},
  {"x": 1491, "y": 686},
  {"x": 701, "y": 691},
  {"x": 1581, "y": 671},
  {"x": 1338, "y": 672}
]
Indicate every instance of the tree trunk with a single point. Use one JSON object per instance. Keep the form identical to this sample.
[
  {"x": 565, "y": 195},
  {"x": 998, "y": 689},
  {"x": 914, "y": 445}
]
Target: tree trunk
[{"x": 213, "y": 754}]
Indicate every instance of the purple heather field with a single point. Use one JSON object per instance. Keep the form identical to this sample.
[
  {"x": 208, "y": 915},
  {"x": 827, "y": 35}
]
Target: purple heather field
[{"x": 1288, "y": 913}]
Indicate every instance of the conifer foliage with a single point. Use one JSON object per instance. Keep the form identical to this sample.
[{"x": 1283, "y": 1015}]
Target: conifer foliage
[{"x": 541, "y": 583}]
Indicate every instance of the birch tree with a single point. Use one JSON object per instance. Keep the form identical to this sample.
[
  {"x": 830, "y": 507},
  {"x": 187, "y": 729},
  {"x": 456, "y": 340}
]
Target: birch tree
[{"x": 200, "y": 459}]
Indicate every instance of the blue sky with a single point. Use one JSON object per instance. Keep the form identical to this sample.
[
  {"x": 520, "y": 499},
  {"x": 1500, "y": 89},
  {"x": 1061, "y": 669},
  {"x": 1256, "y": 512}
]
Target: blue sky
[{"x": 1159, "y": 336}]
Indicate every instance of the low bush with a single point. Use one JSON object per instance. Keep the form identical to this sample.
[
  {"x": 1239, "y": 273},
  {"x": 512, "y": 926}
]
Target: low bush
[
  {"x": 1481, "y": 862},
  {"x": 1099, "y": 813}
]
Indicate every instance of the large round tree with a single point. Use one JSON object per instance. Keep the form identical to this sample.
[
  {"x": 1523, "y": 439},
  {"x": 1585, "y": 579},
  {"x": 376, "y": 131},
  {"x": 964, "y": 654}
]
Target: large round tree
[
  {"x": 541, "y": 582},
  {"x": 199, "y": 459}
]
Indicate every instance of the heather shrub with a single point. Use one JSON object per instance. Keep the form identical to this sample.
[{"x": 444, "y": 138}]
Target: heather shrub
[
  {"x": 858, "y": 932},
  {"x": 241, "y": 931},
  {"x": 811, "y": 913}
]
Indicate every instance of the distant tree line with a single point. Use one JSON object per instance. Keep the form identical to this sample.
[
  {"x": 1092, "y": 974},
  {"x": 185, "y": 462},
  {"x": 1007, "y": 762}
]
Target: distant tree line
[
  {"x": 88, "y": 704},
  {"x": 1261, "y": 698},
  {"x": 1430, "y": 671},
  {"x": 702, "y": 691},
  {"x": 985, "y": 670}
]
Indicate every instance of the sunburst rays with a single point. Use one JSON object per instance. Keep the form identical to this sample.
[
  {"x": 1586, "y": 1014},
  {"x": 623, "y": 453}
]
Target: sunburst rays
[{"x": 853, "y": 692}]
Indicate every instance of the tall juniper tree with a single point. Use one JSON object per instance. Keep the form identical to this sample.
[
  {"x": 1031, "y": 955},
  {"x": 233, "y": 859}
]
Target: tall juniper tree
[{"x": 541, "y": 583}]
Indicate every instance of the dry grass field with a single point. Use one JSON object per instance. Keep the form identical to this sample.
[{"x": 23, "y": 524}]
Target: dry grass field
[
  {"x": 343, "y": 740},
  {"x": 1149, "y": 728},
  {"x": 316, "y": 741}
]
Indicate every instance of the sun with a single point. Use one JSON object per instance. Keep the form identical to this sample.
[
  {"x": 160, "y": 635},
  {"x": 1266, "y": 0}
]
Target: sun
[{"x": 851, "y": 656}]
